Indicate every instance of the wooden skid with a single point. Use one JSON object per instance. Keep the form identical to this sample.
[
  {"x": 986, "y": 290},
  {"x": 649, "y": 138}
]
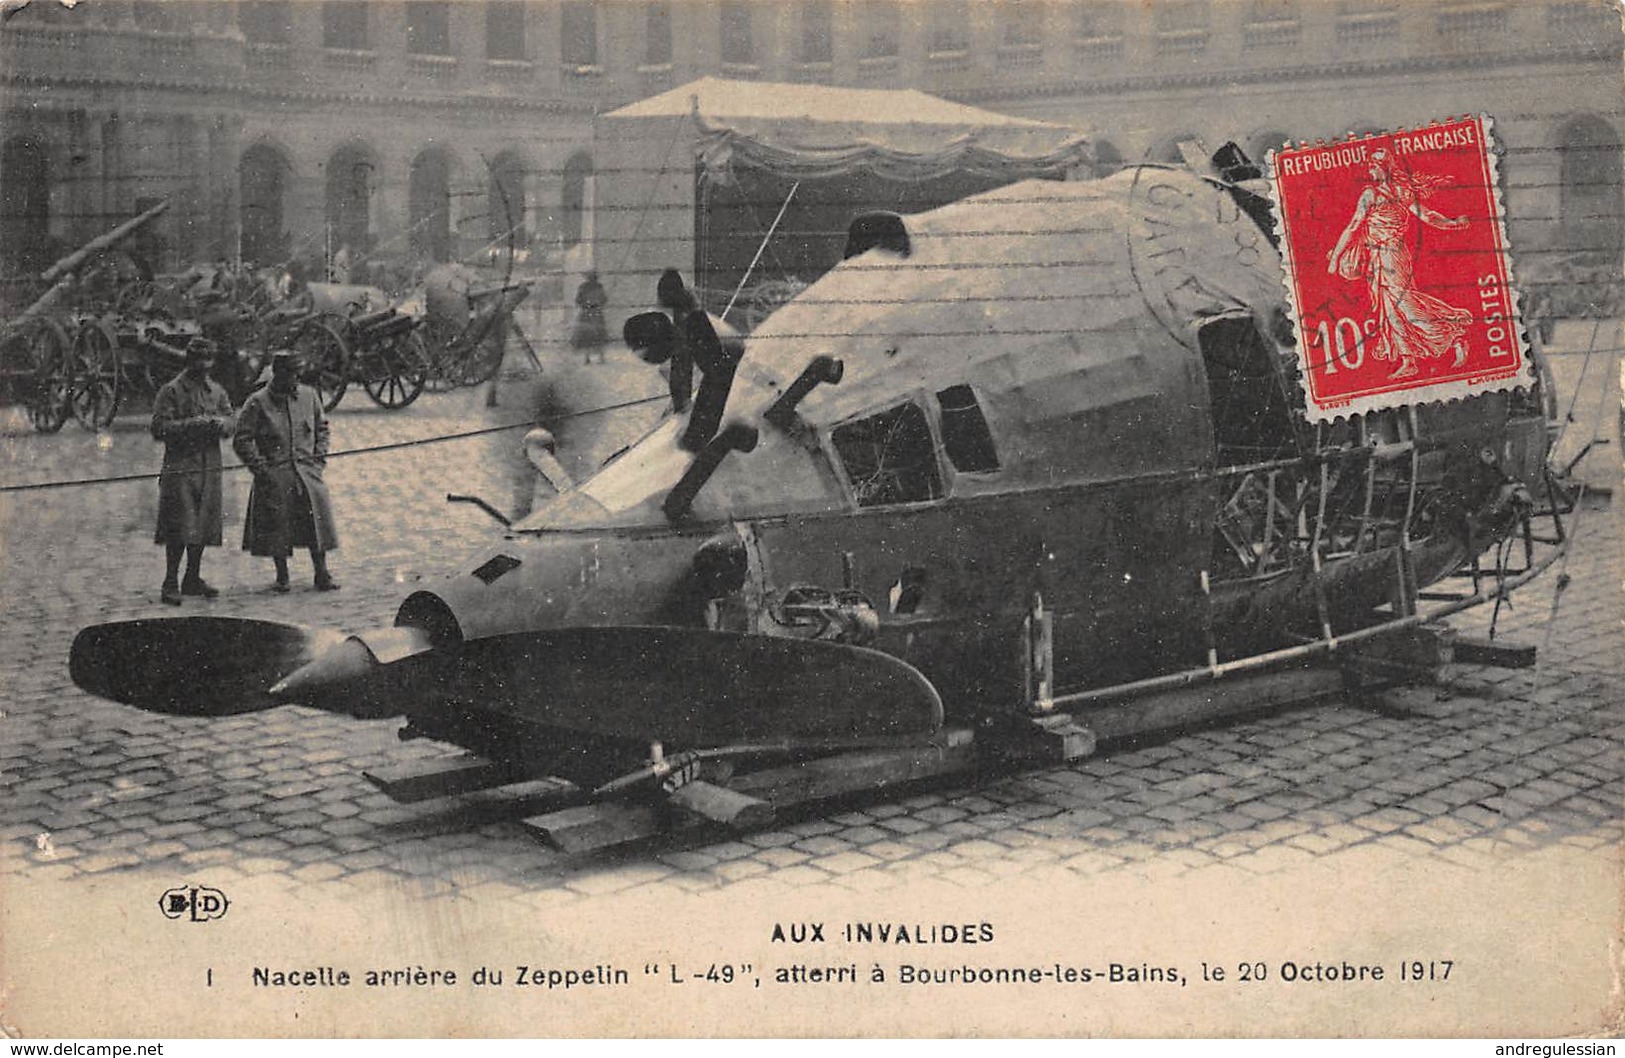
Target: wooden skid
[
  {"x": 586, "y": 828},
  {"x": 1194, "y": 705},
  {"x": 427, "y": 780},
  {"x": 721, "y": 805},
  {"x": 815, "y": 780},
  {"x": 751, "y": 800}
]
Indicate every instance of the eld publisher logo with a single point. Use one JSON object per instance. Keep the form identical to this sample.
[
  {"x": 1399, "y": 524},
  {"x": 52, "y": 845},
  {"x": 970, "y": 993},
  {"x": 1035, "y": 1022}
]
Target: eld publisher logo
[{"x": 198, "y": 903}]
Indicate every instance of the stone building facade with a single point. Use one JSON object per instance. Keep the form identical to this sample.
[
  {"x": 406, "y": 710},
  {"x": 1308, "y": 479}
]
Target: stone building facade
[{"x": 432, "y": 129}]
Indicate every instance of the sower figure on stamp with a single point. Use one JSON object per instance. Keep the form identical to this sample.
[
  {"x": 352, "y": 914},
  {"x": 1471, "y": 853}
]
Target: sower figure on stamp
[
  {"x": 190, "y": 415},
  {"x": 282, "y": 437},
  {"x": 1411, "y": 323}
]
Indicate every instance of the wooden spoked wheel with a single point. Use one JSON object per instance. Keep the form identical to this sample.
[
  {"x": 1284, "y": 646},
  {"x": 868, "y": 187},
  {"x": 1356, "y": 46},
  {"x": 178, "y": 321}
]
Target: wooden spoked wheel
[
  {"x": 94, "y": 388},
  {"x": 43, "y": 352},
  {"x": 404, "y": 375},
  {"x": 325, "y": 359}
]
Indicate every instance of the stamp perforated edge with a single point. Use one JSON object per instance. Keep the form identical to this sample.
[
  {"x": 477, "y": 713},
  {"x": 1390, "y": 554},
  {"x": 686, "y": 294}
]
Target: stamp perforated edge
[{"x": 1438, "y": 392}]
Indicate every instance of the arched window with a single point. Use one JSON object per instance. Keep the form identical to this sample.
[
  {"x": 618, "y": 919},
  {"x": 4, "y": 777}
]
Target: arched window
[
  {"x": 351, "y": 175},
  {"x": 429, "y": 205},
  {"x": 262, "y": 186},
  {"x": 1590, "y": 208},
  {"x": 505, "y": 201},
  {"x": 577, "y": 171},
  {"x": 25, "y": 206}
]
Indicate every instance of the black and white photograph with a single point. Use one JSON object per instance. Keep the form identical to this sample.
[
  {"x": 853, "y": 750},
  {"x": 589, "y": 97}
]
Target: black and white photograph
[{"x": 811, "y": 518}]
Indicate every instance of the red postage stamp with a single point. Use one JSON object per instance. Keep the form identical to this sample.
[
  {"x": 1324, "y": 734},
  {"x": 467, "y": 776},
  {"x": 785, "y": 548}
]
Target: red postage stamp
[{"x": 1397, "y": 269}]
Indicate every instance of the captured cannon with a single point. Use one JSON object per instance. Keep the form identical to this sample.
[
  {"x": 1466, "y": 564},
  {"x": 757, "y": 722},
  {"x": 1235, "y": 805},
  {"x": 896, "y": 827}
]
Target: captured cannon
[
  {"x": 354, "y": 334},
  {"x": 43, "y": 361},
  {"x": 468, "y": 323},
  {"x": 137, "y": 343},
  {"x": 60, "y": 275}
]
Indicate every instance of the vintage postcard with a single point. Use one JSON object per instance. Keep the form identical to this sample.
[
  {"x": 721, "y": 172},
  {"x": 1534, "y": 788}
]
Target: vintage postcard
[{"x": 845, "y": 518}]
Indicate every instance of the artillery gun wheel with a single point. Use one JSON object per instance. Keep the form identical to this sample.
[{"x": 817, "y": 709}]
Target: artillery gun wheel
[
  {"x": 406, "y": 370},
  {"x": 96, "y": 374},
  {"x": 326, "y": 359},
  {"x": 47, "y": 349},
  {"x": 481, "y": 362},
  {"x": 439, "y": 346}
]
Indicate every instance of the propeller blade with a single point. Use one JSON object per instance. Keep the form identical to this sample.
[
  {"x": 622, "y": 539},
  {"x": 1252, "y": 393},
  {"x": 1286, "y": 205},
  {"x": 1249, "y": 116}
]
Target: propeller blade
[{"x": 193, "y": 666}]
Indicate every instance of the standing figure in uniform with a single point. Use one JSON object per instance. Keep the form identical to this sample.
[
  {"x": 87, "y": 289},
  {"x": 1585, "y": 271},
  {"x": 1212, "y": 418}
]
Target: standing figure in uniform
[
  {"x": 590, "y": 332},
  {"x": 190, "y": 416},
  {"x": 282, "y": 437}
]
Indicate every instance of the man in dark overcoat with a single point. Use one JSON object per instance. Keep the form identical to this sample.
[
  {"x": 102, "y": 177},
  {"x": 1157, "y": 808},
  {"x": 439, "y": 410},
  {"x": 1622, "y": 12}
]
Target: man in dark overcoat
[
  {"x": 190, "y": 415},
  {"x": 282, "y": 436}
]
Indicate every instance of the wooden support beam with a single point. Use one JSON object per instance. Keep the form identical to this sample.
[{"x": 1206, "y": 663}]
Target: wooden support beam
[
  {"x": 1411, "y": 655},
  {"x": 588, "y": 828},
  {"x": 1184, "y": 706},
  {"x": 720, "y": 805},
  {"x": 417, "y": 781},
  {"x": 1051, "y": 739},
  {"x": 1475, "y": 651}
]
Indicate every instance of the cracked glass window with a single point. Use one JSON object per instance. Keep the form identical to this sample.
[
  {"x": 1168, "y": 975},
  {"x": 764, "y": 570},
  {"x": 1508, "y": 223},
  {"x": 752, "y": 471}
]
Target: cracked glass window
[{"x": 890, "y": 457}]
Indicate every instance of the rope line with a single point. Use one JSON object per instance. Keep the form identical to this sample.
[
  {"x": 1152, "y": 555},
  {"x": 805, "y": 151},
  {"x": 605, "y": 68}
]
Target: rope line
[{"x": 485, "y": 431}]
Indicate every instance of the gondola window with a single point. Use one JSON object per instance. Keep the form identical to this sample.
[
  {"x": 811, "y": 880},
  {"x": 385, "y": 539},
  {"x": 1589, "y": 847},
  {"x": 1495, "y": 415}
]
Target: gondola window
[
  {"x": 1252, "y": 419},
  {"x": 965, "y": 435},
  {"x": 890, "y": 458}
]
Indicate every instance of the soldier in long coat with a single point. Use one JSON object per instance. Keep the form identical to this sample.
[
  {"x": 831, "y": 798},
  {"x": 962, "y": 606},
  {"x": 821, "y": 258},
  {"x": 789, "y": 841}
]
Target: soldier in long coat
[
  {"x": 282, "y": 437},
  {"x": 190, "y": 416}
]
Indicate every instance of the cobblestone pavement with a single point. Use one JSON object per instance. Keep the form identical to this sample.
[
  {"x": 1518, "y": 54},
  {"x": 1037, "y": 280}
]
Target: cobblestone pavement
[{"x": 1492, "y": 762}]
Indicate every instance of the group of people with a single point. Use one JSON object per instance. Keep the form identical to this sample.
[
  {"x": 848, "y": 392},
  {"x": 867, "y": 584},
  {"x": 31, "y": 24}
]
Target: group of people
[{"x": 280, "y": 433}]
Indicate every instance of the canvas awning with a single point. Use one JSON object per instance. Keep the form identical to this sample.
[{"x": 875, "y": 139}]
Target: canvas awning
[{"x": 812, "y": 131}]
